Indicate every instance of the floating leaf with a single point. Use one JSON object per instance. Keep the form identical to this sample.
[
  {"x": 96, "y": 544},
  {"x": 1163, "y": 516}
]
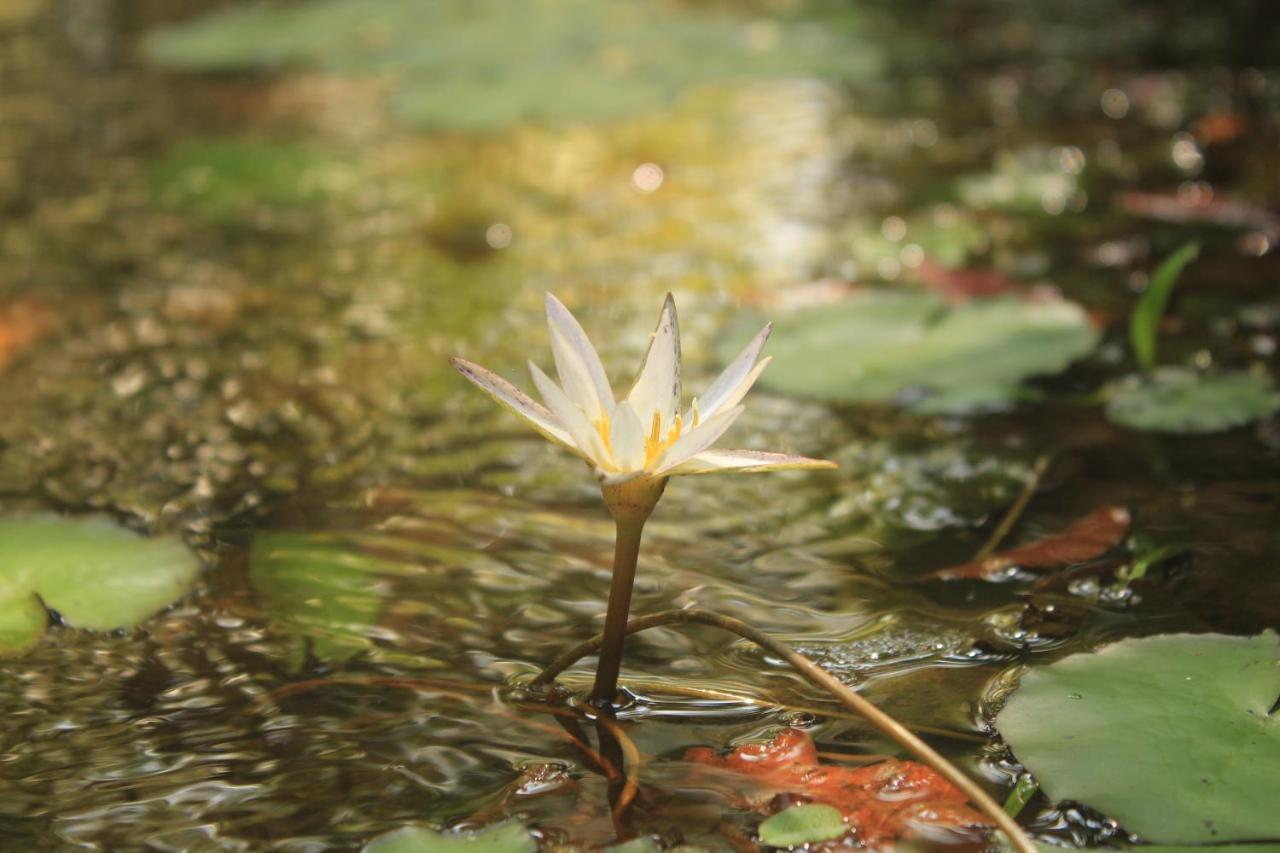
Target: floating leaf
[
  {"x": 93, "y": 572},
  {"x": 879, "y": 802},
  {"x": 1145, "y": 321},
  {"x": 507, "y": 837},
  {"x": 1178, "y": 400},
  {"x": 895, "y": 346},
  {"x": 803, "y": 824},
  {"x": 958, "y": 285},
  {"x": 1172, "y": 735},
  {"x": 1088, "y": 537},
  {"x": 1195, "y": 208},
  {"x": 483, "y": 63}
]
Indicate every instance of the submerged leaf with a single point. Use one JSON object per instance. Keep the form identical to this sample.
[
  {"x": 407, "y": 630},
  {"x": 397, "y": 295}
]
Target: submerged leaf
[
  {"x": 325, "y": 590},
  {"x": 1145, "y": 322},
  {"x": 1173, "y": 736},
  {"x": 803, "y": 824},
  {"x": 878, "y": 803},
  {"x": 1088, "y": 537},
  {"x": 507, "y": 837},
  {"x": 1177, "y": 400},
  {"x": 93, "y": 572},
  {"x": 910, "y": 347}
]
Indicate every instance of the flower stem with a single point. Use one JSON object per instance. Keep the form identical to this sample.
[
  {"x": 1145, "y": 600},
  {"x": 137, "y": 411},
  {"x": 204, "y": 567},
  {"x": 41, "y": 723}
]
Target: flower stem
[{"x": 626, "y": 550}]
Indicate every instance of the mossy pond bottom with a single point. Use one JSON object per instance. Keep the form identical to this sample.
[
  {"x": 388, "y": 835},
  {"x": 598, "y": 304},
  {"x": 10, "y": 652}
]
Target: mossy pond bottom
[{"x": 237, "y": 252}]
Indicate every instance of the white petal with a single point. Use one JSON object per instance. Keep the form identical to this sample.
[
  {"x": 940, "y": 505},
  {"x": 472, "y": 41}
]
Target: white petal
[
  {"x": 626, "y": 438},
  {"x": 585, "y": 438},
  {"x": 514, "y": 399},
  {"x": 696, "y": 440},
  {"x": 746, "y": 462},
  {"x": 657, "y": 386},
  {"x": 736, "y": 379},
  {"x": 577, "y": 363}
]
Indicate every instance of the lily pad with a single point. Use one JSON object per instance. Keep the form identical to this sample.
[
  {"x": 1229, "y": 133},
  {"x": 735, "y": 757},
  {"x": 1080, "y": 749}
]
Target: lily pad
[
  {"x": 93, "y": 572},
  {"x": 483, "y": 63},
  {"x": 1174, "y": 399},
  {"x": 1171, "y": 735},
  {"x": 803, "y": 824},
  {"x": 911, "y": 348},
  {"x": 507, "y": 837}
]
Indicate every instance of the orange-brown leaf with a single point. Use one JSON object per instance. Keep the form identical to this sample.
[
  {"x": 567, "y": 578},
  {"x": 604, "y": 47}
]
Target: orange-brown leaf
[
  {"x": 881, "y": 802},
  {"x": 1086, "y": 538},
  {"x": 22, "y": 323}
]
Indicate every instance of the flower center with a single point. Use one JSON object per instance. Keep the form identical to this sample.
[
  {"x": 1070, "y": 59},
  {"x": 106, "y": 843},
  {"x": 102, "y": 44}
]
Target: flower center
[{"x": 655, "y": 443}]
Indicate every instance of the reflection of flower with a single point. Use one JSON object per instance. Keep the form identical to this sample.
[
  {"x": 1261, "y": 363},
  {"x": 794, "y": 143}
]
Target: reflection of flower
[{"x": 644, "y": 435}]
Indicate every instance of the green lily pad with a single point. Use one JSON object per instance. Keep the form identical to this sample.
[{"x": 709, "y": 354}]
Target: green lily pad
[
  {"x": 803, "y": 824},
  {"x": 507, "y": 837},
  {"x": 483, "y": 63},
  {"x": 1174, "y": 399},
  {"x": 93, "y": 572},
  {"x": 1171, "y": 735},
  {"x": 911, "y": 348},
  {"x": 322, "y": 588}
]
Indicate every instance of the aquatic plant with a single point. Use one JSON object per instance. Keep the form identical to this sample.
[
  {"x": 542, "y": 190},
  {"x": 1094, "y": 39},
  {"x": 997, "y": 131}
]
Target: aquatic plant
[
  {"x": 633, "y": 465},
  {"x": 636, "y": 443}
]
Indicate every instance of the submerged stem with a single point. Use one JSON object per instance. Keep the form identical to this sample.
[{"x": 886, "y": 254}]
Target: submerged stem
[
  {"x": 815, "y": 674},
  {"x": 626, "y": 551}
]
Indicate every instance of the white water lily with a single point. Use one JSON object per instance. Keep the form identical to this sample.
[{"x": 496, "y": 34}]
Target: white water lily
[
  {"x": 634, "y": 444},
  {"x": 644, "y": 435}
]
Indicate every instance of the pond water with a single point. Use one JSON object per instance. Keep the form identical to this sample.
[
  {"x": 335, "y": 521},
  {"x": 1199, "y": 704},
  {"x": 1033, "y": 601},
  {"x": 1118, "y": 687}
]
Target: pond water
[{"x": 232, "y": 270}]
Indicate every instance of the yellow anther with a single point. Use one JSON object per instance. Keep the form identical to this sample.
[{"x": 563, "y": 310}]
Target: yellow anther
[
  {"x": 655, "y": 431},
  {"x": 602, "y": 427},
  {"x": 695, "y": 411}
]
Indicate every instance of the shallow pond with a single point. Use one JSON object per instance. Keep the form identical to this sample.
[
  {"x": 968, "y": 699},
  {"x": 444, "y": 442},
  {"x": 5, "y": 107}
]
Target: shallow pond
[{"x": 234, "y": 263}]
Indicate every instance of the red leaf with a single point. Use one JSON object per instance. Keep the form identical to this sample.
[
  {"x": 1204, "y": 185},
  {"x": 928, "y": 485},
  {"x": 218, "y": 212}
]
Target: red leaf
[
  {"x": 23, "y": 322},
  {"x": 964, "y": 285},
  {"x": 881, "y": 802},
  {"x": 1197, "y": 203},
  {"x": 1096, "y": 533}
]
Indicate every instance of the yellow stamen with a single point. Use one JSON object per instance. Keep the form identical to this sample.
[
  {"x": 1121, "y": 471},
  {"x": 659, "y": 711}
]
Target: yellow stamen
[
  {"x": 655, "y": 444},
  {"x": 602, "y": 427},
  {"x": 695, "y": 411}
]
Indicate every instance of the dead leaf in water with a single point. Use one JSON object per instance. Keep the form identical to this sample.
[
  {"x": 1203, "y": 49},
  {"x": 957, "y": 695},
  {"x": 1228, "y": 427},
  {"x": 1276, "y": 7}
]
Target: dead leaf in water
[
  {"x": 880, "y": 802},
  {"x": 23, "y": 322},
  {"x": 1086, "y": 538}
]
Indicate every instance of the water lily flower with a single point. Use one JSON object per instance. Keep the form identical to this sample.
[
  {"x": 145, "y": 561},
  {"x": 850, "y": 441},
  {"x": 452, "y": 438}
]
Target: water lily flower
[
  {"x": 644, "y": 435},
  {"x": 636, "y": 443}
]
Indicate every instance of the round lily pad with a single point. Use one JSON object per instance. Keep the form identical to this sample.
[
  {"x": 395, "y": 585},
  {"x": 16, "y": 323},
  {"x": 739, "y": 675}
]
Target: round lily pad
[
  {"x": 1174, "y": 399},
  {"x": 803, "y": 824},
  {"x": 911, "y": 348},
  {"x": 93, "y": 572},
  {"x": 1173, "y": 736}
]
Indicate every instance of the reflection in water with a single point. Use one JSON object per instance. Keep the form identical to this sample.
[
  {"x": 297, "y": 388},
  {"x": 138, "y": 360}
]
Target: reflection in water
[{"x": 248, "y": 285}]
